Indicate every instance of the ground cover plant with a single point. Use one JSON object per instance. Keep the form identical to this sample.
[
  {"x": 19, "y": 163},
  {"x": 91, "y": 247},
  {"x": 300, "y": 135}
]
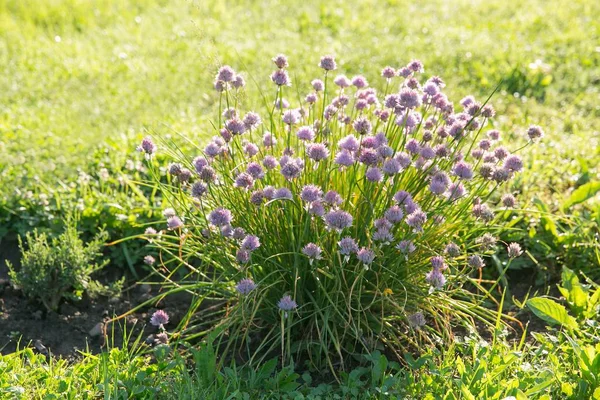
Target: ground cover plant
[{"x": 84, "y": 81}]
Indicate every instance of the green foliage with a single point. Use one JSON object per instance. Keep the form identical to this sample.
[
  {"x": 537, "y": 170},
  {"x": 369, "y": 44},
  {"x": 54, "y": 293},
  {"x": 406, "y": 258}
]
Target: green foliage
[{"x": 57, "y": 268}]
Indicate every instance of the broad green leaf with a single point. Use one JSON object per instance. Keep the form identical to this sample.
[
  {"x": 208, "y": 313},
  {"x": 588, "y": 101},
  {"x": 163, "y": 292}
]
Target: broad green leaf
[
  {"x": 551, "y": 312},
  {"x": 581, "y": 194},
  {"x": 577, "y": 296}
]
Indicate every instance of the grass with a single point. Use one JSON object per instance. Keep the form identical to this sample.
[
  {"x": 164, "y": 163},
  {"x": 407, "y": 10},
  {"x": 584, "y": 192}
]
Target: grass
[{"x": 83, "y": 80}]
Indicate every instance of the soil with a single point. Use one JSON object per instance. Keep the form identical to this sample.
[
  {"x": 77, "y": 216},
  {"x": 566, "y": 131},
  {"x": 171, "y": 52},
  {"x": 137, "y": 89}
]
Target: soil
[{"x": 76, "y": 326}]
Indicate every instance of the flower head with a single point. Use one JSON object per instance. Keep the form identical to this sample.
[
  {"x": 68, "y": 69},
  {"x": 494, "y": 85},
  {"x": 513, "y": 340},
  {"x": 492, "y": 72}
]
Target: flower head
[
  {"x": 220, "y": 217},
  {"x": 338, "y": 220},
  {"x": 312, "y": 251},
  {"x": 250, "y": 243},
  {"x": 365, "y": 256},
  {"x": 328, "y": 63},
  {"x": 348, "y": 246},
  {"x": 514, "y": 250},
  {"x": 287, "y": 304},
  {"x": 159, "y": 318},
  {"x": 245, "y": 286},
  {"x": 174, "y": 222}
]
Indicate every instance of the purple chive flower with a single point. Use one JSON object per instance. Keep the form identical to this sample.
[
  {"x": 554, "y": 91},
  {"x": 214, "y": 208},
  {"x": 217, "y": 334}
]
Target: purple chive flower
[
  {"x": 175, "y": 169},
  {"x": 318, "y": 85},
  {"x": 404, "y": 159},
  {"x": 486, "y": 241},
  {"x": 535, "y": 132},
  {"x": 413, "y": 146},
  {"x": 238, "y": 82},
  {"x": 437, "y": 262},
  {"x": 149, "y": 260},
  {"x": 317, "y": 151},
  {"x": 415, "y": 66},
  {"x": 431, "y": 89},
  {"x": 452, "y": 250},
  {"x": 488, "y": 111},
  {"x": 242, "y": 256},
  {"x": 328, "y": 63},
  {"x": 368, "y": 156},
  {"x": 362, "y": 126},
  {"x": 435, "y": 278},
  {"x": 344, "y": 158},
  {"x": 169, "y": 212},
  {"x": 225, "y": 74},
  {"x": 292, "y": 169},
  {"x": 255, "y": 170},
  {"x": 159, "y": 318},
  {"x": 250, "y": 243},
  {"x": 349, "y": 143},
  {"x": 147, "y": 146},
  {"x": 341, "y": 101},
  {"x": 348, "y": 246},
  {"x": 333, "y": 198},
  {"x": 501, "y": 175},
  {"x": 482, "y": 211},
  {"x": 342, "y": 81},
  {"x": 238, "y": 233},
  {"x": 493, "y": 135},
  {"x": 382, "y": 223},
  {"x": 287, "y": 304},
  {"x": 514, "y": 250},
  {"x": 388, "y": 72},
  {"x": 365, "y": 256},
  {"x": 281, "y": 78},
  {"x": 338, "y": 220},
  {"x": 219, "y": 86},
  {"x": 416, "y": 320},
  {"x": 184, "y": 175},
  {"x": 416, "y": 220},
  {"x": 475, "y": 261},
  {"x": 486, "y": 170},
  {"x": 257, "y": 197},
  {"x": 394, "y": 214},
  {"x": 199, "y": 163},
  {"x": 227, "y": 231},
  {"x": 235, "y": 126},
  {"x": 252, "y": 120},
  {"x": 174, "y": 222},
  {"x": 281, "y": 103},
  {"x": 244, "y": 181},
  {"x": 283, "y": 193},
  {"x": 311, "y": 193},
  {"x": 316, "y": 208},
  {"x": 463, "y": 170},
  {"x": 360, "y": 82},
  {"x": 374, "y": 174},
  {"x": 513, "y": 163},
  {"x": 150, "y": 231},
  {"x": 501, "y": 153},
  {"x": 229, "y": 113},
  {"x": 250, "y": 149},
  {"x": 311, "y": 98},
  {"x": 403, "y": 197},
  {"x": 245, "y": 286},
  {"x": 220, "y": 217},
  {"x": 383, "y": 235},
  {"x": 280, "y": 61},
  {"x": 306, "y": 133},
  {"x": 198, "y": 190},
  {"x": 291, "y": 117},
  {"x": 508, "y": 200},
  {"x": 269, "y": 192},
  {"x": 456, "y": 190},
  {"x": 406, "y": 246},
  {"x": 404, "y": 72},
  {"x": 391, "y": 167},
  {"x": 409, "y": 98},
  {"x": 270, "y": 162},
  {"x": 312, "y": 251}
]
